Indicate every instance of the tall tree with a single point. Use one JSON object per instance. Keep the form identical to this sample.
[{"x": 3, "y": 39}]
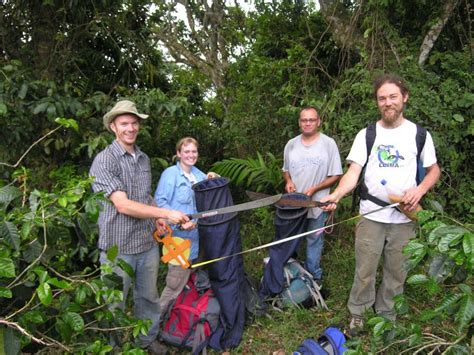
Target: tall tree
[{"x": 208, "y": 39}]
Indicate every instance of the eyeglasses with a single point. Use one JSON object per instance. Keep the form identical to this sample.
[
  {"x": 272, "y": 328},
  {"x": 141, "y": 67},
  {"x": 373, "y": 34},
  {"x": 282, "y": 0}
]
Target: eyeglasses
[{"x": 308, "y": 120}]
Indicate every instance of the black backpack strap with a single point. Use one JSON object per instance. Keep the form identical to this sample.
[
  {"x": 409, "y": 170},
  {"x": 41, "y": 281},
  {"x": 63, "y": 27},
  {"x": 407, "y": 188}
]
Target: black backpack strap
[
  {"x": 370, "y": 134},
  {"x": 421, "y": 134},
  {"x": 361, "y": 190},
  {"x": 364, "y": 195}
]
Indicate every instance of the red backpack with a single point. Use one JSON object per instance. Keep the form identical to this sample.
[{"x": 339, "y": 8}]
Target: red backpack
[{"x": 192, "y": 319}]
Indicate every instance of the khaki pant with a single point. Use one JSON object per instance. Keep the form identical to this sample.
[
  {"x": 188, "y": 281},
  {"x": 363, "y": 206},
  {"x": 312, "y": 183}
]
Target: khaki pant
[
  {"x": 373, "y": 239},
  {"x": 176, "y": 279}
]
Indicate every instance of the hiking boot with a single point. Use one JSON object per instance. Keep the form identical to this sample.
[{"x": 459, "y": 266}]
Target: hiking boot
[
  {"x": 156, "y": 348},
  {"x": 356, "y": 325}
]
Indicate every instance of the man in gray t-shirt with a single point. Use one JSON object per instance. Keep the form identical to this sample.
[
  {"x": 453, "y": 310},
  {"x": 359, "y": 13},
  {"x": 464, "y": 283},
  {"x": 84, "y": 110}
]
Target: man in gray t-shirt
[{"x": 311, "y": 166}]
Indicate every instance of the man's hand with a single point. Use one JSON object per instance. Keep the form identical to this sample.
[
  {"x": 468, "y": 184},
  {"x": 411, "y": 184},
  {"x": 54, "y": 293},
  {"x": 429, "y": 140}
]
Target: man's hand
[
  {"x": 412, "y": 197},
  {"x": 310, "y": 192},
  {"x": 188, "y": 226},
  {"x": 333, "y": 198},
  {"x": 290, "y": 186},
  {"x": 160, "y": 225},
  {"x": 177, "y": 217}
]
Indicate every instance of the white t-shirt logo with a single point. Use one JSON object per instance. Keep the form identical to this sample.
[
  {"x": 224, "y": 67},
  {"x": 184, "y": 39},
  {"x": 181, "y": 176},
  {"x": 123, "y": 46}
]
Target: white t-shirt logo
[{"x": 388, "y": 156}]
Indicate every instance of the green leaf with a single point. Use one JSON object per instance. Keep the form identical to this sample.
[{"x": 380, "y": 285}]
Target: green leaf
[
  {"x": 3, "y": 109},
  {"x": 68, "y": 123},
  {"x": 8, "y": 194},
  {"x": 74, "y": 320},
  {"x": 465, "y": 289},
  {"x": 23, "y": 91},
  {"x": 26, "y": 229},
  {"x": 5, "y": 292},
  {"x": 448, "y": 301},
  {"x": 40, "y": 108},
  {"x": 36, "y": 317},
  {"x": 11, "y": 341},
  {"x": 64, "y": 329},
  {"x": 59, "y": 284},
  {"x": 414, "y": 247},
  {"x": 45, "y": 294},
  {"x": 112, "y": 253},
  {"x": 466, "y": 311},
  {"x": 9, "y": 232},
  {"x": 458, "y": 118},
  {"x": 81, "y": 294},
  {"x": 32, "y": 250},
  {"x": 62, "y": 201},
  {"x": 42, "y": 274},
  {"x": 424, "y": 216},
  {"x": 126, "y": 267},
  {"x": 435, "y": 234},
  {"x": 468, "y": 247},
  {"x": 432, "y": 286},
  {"x": 449, "y": 240},
  {"x": 428, "y": 227},
  {"x": 401, "y": 304},
  {"x": 440, "y": 267},
  {"x": 428, "y": 314},
  {"x": 7, "y": 268},
  {"x": 417, "y": 279},
  {"x": 379, "y": 328}
]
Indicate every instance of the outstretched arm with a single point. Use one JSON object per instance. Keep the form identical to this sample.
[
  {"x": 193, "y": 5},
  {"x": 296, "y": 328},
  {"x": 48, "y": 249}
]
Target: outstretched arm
[
  {"x": 347, "y": 184},
  {"x": 139, "y": 210}
]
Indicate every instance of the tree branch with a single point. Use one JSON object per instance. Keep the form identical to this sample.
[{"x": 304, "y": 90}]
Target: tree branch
[
  {"x": 31, "y": 147},
  {"x": 23, "y": 331}
]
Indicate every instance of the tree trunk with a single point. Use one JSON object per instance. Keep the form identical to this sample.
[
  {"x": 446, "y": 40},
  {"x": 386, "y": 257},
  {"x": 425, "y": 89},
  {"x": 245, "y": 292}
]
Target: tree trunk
[
  {"x": 435, "y": 30},
  {"x": 206, "y": 47}
]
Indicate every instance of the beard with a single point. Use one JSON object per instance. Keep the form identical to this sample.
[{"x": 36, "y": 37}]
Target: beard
[{"x": 391, "y": 115}]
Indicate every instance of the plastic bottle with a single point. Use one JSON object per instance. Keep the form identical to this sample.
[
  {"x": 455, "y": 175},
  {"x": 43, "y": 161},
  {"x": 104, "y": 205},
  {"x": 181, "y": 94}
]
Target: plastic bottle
[{"x": 395, "y": 195}]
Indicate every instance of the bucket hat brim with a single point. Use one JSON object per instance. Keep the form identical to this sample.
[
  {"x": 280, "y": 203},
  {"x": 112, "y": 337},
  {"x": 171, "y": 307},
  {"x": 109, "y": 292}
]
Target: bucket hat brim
[{"x": 122, "y": 108}]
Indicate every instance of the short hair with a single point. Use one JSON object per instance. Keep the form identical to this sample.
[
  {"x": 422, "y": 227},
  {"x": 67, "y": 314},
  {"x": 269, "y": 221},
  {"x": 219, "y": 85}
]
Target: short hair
[
  {"x": 310, "y": 108},
  {"x": 186, "y": 141},
  {"x": 391, "y": 79}
]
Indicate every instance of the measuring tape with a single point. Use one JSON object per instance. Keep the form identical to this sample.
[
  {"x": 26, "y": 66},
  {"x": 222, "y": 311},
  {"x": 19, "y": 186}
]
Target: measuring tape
[{"x": 292, "y": 237}]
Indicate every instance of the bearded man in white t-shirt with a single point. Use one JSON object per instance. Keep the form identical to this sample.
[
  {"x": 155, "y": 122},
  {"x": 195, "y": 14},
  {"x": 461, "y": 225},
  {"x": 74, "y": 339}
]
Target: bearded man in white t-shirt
[{"x": 389, "y": 230}]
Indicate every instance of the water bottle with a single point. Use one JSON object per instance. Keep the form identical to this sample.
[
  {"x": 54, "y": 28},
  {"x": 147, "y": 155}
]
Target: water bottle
[{"x": 395, "y": 195}]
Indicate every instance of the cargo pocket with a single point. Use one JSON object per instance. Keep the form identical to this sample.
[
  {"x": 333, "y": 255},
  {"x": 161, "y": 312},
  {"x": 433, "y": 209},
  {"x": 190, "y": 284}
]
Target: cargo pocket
[{"x": 175, "y": 276}]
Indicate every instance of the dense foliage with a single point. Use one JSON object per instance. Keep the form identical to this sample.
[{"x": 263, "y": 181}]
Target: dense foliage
[{"x": 234, "y": 79}]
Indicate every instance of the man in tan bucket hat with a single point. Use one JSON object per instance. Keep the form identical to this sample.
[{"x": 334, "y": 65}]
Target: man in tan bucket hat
[{"x": 123, "y": 173}]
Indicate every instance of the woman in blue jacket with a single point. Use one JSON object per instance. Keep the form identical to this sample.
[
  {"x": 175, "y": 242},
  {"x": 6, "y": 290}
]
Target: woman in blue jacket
[{"x": 174, "y": 191}]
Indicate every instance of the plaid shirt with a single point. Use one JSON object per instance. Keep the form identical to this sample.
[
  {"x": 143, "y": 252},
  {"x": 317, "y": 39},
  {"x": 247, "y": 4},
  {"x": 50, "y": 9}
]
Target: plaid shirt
[{"x": 115, "y": 169}]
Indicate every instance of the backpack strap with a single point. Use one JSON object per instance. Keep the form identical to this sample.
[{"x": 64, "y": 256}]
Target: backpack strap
[
  {"x": 421, "y": 134},
  {"x": 363, "y": 191},
  {"x": 370, "y": 134}
]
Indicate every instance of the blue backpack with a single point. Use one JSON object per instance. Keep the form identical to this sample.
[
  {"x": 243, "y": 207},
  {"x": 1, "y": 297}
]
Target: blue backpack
[{"x": 331, "y": 342}]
